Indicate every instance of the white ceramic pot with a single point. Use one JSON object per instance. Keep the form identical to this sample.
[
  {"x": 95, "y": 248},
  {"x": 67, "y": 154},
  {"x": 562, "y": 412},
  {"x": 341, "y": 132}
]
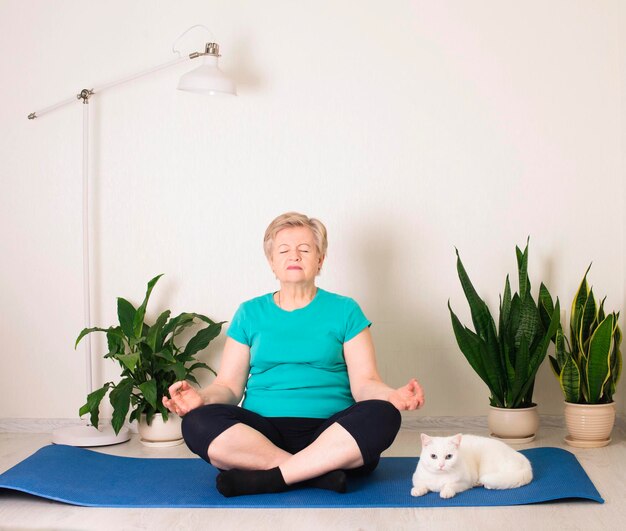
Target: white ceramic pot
[
  {"x": 160, "y": 433},
  {"x": 589, "y": 425},
  {"x": 515, "y": 426}
]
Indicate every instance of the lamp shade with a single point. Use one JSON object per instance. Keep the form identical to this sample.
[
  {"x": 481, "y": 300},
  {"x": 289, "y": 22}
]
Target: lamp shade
[{"x": 207, "y": 78}]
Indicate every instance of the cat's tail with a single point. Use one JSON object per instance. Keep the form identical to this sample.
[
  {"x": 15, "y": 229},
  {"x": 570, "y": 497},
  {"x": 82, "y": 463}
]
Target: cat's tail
[{"x": 507, "y": 480}]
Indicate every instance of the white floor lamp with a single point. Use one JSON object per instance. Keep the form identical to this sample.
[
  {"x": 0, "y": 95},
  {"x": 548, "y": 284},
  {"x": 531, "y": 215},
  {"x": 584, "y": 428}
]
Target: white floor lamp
[{"x": 206, "y": 79}]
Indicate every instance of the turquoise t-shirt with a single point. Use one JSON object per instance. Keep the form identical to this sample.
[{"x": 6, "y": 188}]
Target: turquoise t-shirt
[{"x": 297, "y": 368}]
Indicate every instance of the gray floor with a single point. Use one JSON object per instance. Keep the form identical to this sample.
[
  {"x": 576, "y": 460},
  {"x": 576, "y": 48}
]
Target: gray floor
[{"x": 605, "y": 466}]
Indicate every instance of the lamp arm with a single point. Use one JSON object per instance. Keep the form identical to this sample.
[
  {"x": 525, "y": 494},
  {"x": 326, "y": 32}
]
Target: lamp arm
[{"x": 85, "y": 93}]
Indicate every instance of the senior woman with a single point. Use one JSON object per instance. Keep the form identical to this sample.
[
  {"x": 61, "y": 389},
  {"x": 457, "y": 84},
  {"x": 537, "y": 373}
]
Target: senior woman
[{"x": 302, "y": 359}]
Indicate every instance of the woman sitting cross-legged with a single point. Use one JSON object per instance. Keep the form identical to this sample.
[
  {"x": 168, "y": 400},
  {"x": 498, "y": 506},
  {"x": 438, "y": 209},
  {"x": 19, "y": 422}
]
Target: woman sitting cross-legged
[{"x": 302, "y": 358}]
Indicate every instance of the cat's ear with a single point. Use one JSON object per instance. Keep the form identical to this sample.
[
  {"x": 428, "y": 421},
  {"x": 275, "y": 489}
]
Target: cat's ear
[
  {"x": 426, "y": 440},
  {"x": 456, "y": 440}
]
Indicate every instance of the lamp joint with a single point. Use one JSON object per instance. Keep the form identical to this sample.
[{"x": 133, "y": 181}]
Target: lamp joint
[
  {"x": 84, "y": 95},
  {"x": 210, "y": 48}
]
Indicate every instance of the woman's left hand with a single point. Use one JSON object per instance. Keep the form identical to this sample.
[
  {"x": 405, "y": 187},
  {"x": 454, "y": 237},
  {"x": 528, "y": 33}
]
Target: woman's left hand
[{"x": 408, "y": 397}]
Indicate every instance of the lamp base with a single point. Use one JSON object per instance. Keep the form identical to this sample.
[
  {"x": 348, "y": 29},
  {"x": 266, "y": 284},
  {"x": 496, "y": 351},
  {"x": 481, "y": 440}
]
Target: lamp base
[{"x": 89, "y": 436}]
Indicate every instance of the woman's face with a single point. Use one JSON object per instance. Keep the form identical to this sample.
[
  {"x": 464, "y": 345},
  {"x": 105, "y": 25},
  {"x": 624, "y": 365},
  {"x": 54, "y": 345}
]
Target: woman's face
[{"x": 294, "y": 255}]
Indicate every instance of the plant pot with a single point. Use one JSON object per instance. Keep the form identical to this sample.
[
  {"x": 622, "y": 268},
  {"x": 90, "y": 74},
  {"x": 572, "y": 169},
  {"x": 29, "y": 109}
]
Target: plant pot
[
  {"x": 589, "y": 425},
  {"x": 513, "y": 426},
  {"x": 160, "y": 433}
]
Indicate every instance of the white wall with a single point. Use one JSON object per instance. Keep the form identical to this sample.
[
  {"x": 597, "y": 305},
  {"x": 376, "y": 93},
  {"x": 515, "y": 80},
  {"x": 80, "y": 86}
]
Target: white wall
[{"x": 409, "y": 127}]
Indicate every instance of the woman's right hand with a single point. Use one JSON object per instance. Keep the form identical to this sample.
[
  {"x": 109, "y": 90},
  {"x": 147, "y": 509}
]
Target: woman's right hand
[{"x": 183, "y": 399}]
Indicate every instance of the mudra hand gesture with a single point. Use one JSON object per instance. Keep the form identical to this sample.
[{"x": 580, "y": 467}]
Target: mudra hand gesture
[
  {"x": 183, "y": 399},
  {"x": 408, "y": 397}
]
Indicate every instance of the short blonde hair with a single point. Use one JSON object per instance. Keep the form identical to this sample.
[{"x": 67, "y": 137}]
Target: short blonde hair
[{"x": 295, "y": 219}]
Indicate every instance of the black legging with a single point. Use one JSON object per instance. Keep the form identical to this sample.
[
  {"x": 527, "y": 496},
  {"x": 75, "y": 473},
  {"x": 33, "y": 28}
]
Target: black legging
[{"x": 373, "y": 424}]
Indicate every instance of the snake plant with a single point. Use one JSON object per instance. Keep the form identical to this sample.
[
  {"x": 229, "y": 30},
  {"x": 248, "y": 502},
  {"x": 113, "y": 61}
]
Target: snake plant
[
  {"x": 508, "y": 357},
  {"x": 588, "y": 366},
  {"x": 150, "y": 359}
]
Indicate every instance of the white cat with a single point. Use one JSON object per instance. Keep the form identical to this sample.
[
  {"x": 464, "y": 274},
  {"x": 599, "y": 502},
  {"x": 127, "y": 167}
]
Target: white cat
[{"x": 449, "y": 465}]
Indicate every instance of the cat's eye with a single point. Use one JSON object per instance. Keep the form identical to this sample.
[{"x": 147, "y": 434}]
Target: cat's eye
[
  {"x": 433, "y": 456},
  {"x": 449, "y": 456}
]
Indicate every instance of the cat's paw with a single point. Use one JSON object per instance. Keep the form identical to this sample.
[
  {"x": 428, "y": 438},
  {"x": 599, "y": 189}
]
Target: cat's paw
[
  {"x": 447, "y": 492},
  {"x": 419, "y": 491}
]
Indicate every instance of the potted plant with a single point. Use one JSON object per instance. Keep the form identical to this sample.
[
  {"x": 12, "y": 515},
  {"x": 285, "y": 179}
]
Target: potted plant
[
  {"x": 151, "y": 358},
  {"x": 508, "y": 357},
  {"x": 588, "y": 367}
]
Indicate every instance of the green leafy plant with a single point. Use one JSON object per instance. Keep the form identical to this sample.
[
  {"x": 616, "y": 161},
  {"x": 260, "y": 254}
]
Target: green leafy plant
[
  {"x": 589, "y": 364},
  {"x": 507, "y": 358},
  {"x": 150, "y": 359}
]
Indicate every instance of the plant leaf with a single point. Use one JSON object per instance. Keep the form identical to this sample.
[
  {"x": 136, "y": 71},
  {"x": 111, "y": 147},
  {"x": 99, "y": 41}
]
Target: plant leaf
[
  {"x": 86, "y": 331},
  {"x": 92, "y": 406},
  {"x": 473, "y": 348},
  {"x": 546, "y": 306},
  {"x": 528, "y": 322},
  {"x": 505, "y": 307},
  {"x": 556, "y": 369},
  {"x": 205, "y": 319},
  {"x": 522, "y": 268},
  {"x": 521, "y": 373},
  {"x": 202, "y": 339},
  {"x": 120, "y": 400},
  {"x": 600, "y": 347},
  {"x": 616, "y": 365},
  {"x": 149, "y": 390},
  {"x": 601, "y": 314},
  {"x": 135, "y": 414},
  {"x": 538, "y": 354},
  {"x": 577, "y": 306},
  {"x": 181, "y": 321},
  {"x": 616, "y": 372},
  {"x": 115, "y": 340},
  {"x": 128, "y": 360},
  {"x": 559, "y": 348},
  {"x": 179, "y": 371},
  {"x": 166, "y": 355},
  {"x": 154, "y": 336},
  {"x": 587, "y": 319},
  {"x": 199, "y": 365},
  {"x": 126, "y": 315},
  {"x": 583, "y": 291},
  {"x": 481, "y": 316},
  {"x": 570, "y": 381},
  {"x": 141, "y": 311}
]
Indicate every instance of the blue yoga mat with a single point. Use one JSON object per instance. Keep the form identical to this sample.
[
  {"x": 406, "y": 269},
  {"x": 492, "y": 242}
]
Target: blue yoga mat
[{"x": 84, "y": 477}]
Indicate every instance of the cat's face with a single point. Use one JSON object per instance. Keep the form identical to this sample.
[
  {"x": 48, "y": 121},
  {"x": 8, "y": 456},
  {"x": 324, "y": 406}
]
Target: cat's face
[{"x": 440, "y": 454}]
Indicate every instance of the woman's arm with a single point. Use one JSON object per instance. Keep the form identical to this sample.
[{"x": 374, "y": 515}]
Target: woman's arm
[
  {"x": 230, "y": 382},
  {"x": 227, "y": 388},
  {"x": 366, "y": 383}
]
